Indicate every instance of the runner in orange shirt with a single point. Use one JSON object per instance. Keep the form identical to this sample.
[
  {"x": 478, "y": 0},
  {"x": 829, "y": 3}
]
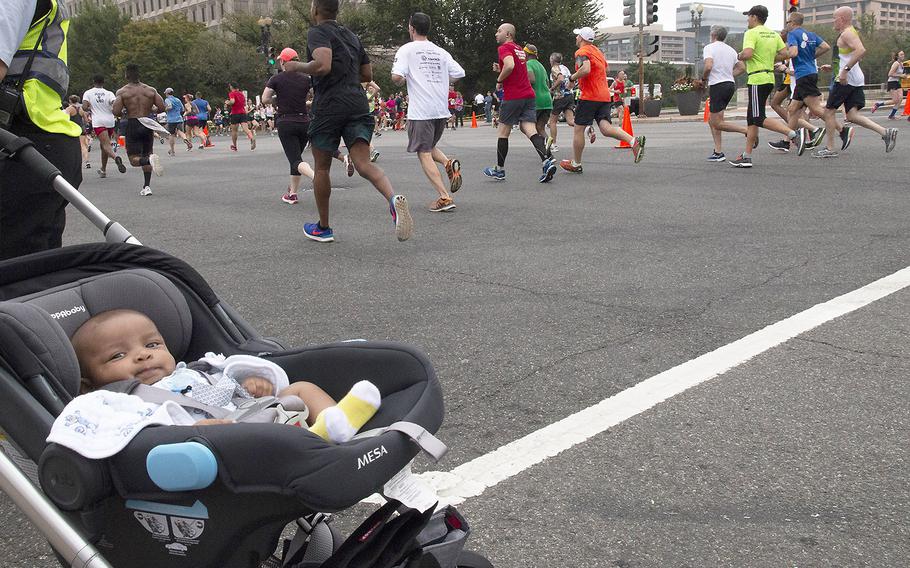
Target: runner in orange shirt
[{"x": 595, "y": 104}]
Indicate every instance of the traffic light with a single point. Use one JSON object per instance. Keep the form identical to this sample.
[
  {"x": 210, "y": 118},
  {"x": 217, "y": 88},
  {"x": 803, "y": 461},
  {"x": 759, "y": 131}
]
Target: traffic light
[
  {"x": 628, "y": 12},
  {"x": 655, "y": 40},
  {"x": 794, "y": 6},
  {"x": 271, "y": 56},
  {"x": 650, "y": 11}
]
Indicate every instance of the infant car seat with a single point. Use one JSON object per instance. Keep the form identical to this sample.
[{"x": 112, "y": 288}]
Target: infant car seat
[{"x": 239, "y": 485}]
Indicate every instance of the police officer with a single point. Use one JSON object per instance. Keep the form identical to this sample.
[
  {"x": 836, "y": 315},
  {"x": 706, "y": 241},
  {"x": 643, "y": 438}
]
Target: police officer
[{"x": 33, "y": 62}]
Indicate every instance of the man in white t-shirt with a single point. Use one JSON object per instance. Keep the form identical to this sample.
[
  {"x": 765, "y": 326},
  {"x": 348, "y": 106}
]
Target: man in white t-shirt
[
  {"x": 100, "y": 102},
  {"x": 721, "y": 65},
  {"x": 427, "y": 70}
]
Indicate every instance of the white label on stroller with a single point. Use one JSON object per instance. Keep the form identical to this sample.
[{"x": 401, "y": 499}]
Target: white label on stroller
[
  {"x": 187, "y": 530},
  {"x": 410, "y": 490},
  {"x": 155, "y": 524}
]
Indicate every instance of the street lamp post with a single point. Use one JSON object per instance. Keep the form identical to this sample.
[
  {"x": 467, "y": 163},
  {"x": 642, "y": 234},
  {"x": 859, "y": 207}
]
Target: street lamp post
[
  {"x": 265, "y": 28},
  {"x": 696, "y": 12}
]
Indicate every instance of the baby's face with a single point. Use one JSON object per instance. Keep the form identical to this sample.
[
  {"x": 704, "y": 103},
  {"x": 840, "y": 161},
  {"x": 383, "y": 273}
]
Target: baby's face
[{"x": 123, "y": 346}]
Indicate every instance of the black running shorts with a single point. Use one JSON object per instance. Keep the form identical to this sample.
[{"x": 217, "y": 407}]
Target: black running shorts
[
  {"x": 174, "y": 127},
  {"x": 589, "y": 112},
  {"x": 806, "y": 87},
  {"x": 847, "y": 96},
  {"x": 327, "y": 130},
  {"x": 139, "y": 140},
  {"x": 562, "y": 104},
  {"x": 517, "y": 110},
  {"x": 758, "y": 98},
  {"x": 894, "y": 85},
  {"x": 239, "y": 118},
  {"x": 721, "y": 94}
]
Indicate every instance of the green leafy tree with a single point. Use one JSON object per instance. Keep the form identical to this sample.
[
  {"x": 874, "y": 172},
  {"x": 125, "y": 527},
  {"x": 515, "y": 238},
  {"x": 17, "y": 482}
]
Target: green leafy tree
[
  {"x": 90, "y": 44},
  {"x": 161, "y": 49},
  {"x": 214, "y": 60}
]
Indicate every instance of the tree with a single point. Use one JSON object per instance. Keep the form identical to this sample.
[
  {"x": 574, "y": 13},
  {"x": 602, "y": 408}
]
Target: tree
[
  {"x": 90, "y": 45},
  {"x": 214, "y": 60},
  {"x": 161, "y": 49}
]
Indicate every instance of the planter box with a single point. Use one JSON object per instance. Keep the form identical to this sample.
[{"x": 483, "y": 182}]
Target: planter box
[
  {"x": 652, "y": 108},
  {"x": 688, "y": 103}
]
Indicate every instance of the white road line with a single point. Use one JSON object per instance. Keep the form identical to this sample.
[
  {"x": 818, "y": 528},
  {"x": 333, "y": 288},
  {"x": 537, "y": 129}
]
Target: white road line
[{"x": 474, "y": 477}]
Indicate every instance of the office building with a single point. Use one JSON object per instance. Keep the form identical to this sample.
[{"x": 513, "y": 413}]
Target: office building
[
  {"x": 712, "y": 14},
  {"x": 621, "y": 44},
  {"x": 889, "y": 15}
]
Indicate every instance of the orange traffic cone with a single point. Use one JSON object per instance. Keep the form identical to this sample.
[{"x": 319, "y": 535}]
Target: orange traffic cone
[
  {"x": 627, "y": 127},
  {"x": 906, "y": 108},
  {"x": 473, "y": 120},
  {"x": 707, "y": 108},
  {"x": 121, "y": 141}
]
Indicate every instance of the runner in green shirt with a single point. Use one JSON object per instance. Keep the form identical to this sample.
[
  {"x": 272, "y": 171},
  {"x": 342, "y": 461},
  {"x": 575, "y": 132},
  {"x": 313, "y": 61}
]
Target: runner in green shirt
[
  {"x": 540, "y": 82},
  {"x": 761, "y": 48}
]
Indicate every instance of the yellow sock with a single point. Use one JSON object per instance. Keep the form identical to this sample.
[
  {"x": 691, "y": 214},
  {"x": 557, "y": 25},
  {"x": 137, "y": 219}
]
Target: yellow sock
[{"x": 341, "y": 422}]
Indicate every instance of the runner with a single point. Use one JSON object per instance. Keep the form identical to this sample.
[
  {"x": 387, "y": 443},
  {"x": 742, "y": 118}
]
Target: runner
[
  {"x": 595, "y": 105},
  {"x": 138, "y": 99},
  {"x": 99, "y": 102},
  {"x": 239, "y": 117},
  {"x": 543, "y": 101},
  {"x": 290, "y": 91},
  {"x": 175, "y": 124},
  {"x": 761, "y": 48},
  {"x": 427, "y": 69},
  {"x": 338, "y": 64},
  {"x": 517, "y": 106},
  {"x": 721, "y": 66},
  {"x": 203, "y": 108},
  {"x": 804, "y": 48},
  {"x": 781, "y": 94},
  {"x": 563, "y": 98},
  {"x": 847, "y": 90},
  {"x": 895, "y": 74}
]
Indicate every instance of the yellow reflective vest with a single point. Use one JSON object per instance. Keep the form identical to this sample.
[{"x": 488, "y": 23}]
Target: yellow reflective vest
[{"x": 48, "y": 79}]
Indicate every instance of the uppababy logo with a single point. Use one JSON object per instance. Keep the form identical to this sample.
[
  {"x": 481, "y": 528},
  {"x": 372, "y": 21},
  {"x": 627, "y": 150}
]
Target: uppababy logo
[
  {"x": 66, "y": 313},
  {"x": 371, "y": 456}
]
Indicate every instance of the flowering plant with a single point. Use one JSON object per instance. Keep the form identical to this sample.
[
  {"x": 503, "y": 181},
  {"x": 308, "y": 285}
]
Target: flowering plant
[{"x": 683, "y": 85}]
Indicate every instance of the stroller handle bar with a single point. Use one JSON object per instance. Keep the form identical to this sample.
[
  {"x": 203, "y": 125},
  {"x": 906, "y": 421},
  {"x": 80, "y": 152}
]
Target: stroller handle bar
[
  {"x": 20, "y": 149},
  {"x": 62, "y": 536}
]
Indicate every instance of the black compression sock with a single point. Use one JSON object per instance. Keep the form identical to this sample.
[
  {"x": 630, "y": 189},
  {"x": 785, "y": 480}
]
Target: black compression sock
[
  {"x": 502, "y": 150},
  {"x": 540, "y": 145},
  {"x": 148, "y": 177}
]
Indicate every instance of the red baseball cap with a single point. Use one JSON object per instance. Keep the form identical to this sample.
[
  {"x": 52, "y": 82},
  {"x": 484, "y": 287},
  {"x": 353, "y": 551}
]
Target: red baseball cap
[{"x": 287, "y": 54}]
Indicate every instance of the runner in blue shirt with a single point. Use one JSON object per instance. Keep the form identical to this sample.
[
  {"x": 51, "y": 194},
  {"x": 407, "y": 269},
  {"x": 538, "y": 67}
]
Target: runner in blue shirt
[
  {"x": 804, "y": 49},
  {"x": 203, "y": 107},
  {"x": 174, "y": 110}
]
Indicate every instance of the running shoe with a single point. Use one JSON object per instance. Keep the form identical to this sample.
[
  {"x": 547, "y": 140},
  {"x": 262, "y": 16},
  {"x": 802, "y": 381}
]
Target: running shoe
[
  {"x": 824, "y": 153},
  {"x": 189, "y": 145},
  {"x": 453, "y": 170},
  {"x": 171, "y": 153},
  {"x": 120, "y": 167},
  {"x": 717, "y": 157},
  {"x": 442, "y": 205},
  {"x": 145, "y": 191},
  {"x": 374, "y": 155},
  {"x": 780, "y": 145},
  {"x": 741, "y": 162},
  {"x": 548, "y": 168},
  {"x": 802, "y": 141},
  {"x": 554, "y": 148},
  {"x": 592, "y": 136},
  {"x": 208, "y": 144},
  {"x": 253, "y": 144},
  {"x": 102, "y": 174},
  {"x": 890, "y": 139},
  {"x": 289, "y": 197},
  {"x": 348, "y": 164},
  {"x": 401, "y": 215},
  {"x": 202, "y": 146},
  {"x": 817, "y": 137},
  {"x": 846, "y": 136},
  {"x": 495, "y": 172},
  {"x": 319, "y": 234},
  {"x": 571, "y": 166},
  {"x": 88, "y": 165},
  {"x": 157, "y": 166},
  {"x": 233, "y": 148},
  {"x": 876, "y": 106},
  {"x": 638, "y": 148}
]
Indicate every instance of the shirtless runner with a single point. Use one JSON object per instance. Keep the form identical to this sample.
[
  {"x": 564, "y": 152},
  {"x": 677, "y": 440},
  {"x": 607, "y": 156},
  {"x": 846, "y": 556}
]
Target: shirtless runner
[{"x": 139, "y": 99}]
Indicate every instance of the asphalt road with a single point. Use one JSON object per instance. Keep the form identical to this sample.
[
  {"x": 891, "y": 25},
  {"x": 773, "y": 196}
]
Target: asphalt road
[{"x": 537, "y": 301}]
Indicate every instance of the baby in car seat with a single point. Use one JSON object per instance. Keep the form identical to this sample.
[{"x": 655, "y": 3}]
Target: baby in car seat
[{"x": 124, "y": 344}]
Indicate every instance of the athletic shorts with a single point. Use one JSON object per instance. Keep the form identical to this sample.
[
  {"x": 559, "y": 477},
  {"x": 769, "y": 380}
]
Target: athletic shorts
[
  {"x": 239, "y": 118},
  {"x": 327, "y": 130},
  {"x": 543, "y": 115},
  {"x": 423, "y": 135},
  {"x": 517, "y": 110},
  {"x": 191, "y": 122},
  {"x": 139, "y": 140},
  {"x": 721, "y": 94},
  {"x": 806, "y": 87},
  {"x": 174, "y": 127},
  {"x": 783, "y": 86},
  {"x": 589, "y": 112},
  {"x": 758, "y": 98},
  {"x": 563, "y": 104},
  {"x": 894, "y": 85},
  {"x": 100, "y": 129},
  {"x": 847, "y": 96}
]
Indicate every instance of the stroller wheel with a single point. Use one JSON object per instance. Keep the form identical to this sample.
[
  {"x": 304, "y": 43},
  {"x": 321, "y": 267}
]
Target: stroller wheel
[{"x": 468, "y": 559}]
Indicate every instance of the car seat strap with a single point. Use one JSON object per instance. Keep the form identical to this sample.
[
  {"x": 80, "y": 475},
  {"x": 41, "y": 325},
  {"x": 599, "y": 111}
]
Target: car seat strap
[
  {"x": 160, "y": 396},
  {"x": 419, "y": 435}
]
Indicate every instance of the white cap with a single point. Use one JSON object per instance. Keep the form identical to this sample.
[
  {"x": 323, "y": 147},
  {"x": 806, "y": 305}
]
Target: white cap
[
  {"x": 168, "y": 91},
  {"x": 586, "y": 33}
]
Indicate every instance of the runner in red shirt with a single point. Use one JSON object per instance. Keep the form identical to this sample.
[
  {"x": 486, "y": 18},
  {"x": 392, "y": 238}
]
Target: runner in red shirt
[
  {"x": 517, "y": 106},
  {"x": 239, "y": 117},
  {"x": 596, "y": 103}
]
